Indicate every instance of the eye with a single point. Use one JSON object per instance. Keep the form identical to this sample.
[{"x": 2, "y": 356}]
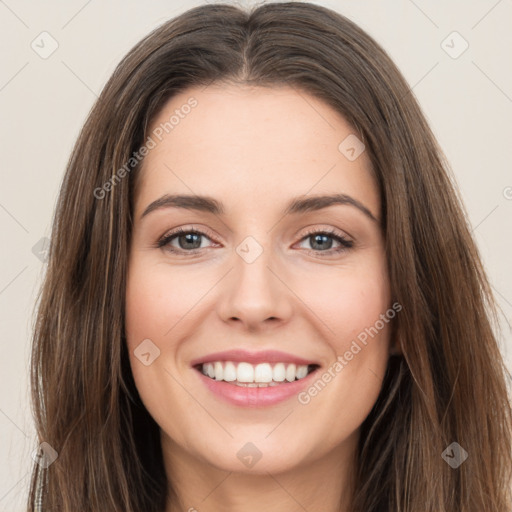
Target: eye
[
  {"x": 322, "y": 241},
  {"x": 188, "y": 241},
  {"x": 183, "y": 241}
]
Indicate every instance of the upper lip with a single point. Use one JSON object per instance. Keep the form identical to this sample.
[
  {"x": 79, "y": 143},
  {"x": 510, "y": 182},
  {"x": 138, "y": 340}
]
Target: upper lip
[{"x": 263, "y": 356}]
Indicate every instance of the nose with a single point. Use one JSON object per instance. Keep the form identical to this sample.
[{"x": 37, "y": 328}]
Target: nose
[{"x": 254, "y": 294}]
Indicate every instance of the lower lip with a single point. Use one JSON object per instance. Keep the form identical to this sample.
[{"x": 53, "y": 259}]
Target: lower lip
[{"x": 256, "y": 397}]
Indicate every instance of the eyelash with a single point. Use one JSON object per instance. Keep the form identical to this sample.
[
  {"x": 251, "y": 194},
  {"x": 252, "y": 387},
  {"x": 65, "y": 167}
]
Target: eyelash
[{"x": 345, "y": 243}]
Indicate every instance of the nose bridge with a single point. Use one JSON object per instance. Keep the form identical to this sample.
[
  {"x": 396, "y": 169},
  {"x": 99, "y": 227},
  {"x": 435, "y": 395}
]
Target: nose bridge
[
  {"x": 253, "y": 279},
  {"x": 253, "y": 292}
]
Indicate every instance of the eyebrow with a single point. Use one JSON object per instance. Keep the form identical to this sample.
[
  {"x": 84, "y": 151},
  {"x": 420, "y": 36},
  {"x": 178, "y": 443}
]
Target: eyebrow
[{"x": 297, "y": 205}]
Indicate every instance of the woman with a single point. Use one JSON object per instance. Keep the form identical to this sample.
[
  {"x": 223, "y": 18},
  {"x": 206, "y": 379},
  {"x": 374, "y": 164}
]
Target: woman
[{"x": 326, "y": 343}]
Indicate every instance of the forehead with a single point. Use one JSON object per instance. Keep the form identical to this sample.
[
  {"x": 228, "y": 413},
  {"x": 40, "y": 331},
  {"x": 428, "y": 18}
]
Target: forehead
[{"x": 252, "y": 145}]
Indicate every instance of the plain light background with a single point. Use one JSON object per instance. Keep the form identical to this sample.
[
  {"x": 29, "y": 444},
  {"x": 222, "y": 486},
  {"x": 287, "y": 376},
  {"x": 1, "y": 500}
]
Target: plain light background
[{"x": 466, "y": 96}]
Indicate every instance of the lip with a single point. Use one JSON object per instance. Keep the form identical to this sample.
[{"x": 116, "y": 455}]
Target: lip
[
  {"x": 263, "y": 356},
  {"x": 256, "y": 397}
]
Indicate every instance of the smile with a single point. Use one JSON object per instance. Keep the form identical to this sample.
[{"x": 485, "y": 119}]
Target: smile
[{"x": 255, "y": 375}]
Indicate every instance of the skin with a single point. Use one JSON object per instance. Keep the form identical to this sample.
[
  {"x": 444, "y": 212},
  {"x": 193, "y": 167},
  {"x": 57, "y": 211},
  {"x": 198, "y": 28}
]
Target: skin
[{"x": 254, "y": 149}]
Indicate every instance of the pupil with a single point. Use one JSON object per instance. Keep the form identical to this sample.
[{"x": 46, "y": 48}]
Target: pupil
[
  {"x": 320, "y": 244},
  {"x": 190, "y": 239}
]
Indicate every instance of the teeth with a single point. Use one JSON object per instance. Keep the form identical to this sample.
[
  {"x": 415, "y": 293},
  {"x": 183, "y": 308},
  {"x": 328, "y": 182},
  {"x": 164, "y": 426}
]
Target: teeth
[
  {"x": 302, "y": 371},
  {"x": 279, "y": 372},
  {"x": 291, "y": 370},
  {"x": 259, "y": 375},
  {"x": 263, "y": 373},
  {"x": 229, "y": 372},
  {"x": 219, "y": 372},
  {"x": 245, "y": 372}
]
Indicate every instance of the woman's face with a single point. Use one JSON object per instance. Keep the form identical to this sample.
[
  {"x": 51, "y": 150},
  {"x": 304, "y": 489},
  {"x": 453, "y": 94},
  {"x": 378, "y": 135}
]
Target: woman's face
[{"x": 272, "y": 277}]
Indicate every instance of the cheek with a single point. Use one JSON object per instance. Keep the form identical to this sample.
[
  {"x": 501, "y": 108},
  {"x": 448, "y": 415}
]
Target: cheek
[
  {"x": 352, "y": 305},
  {"x": 350, "y": 301},
  {"x": 155, "y": 303},
  {"x": 156, "y": 300},
  {"x": 347, "y": 389},
  {"x": 152, "y": 309}
]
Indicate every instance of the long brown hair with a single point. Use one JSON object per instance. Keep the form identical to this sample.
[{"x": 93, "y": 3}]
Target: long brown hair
[{"x": 447, "y": 385}]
